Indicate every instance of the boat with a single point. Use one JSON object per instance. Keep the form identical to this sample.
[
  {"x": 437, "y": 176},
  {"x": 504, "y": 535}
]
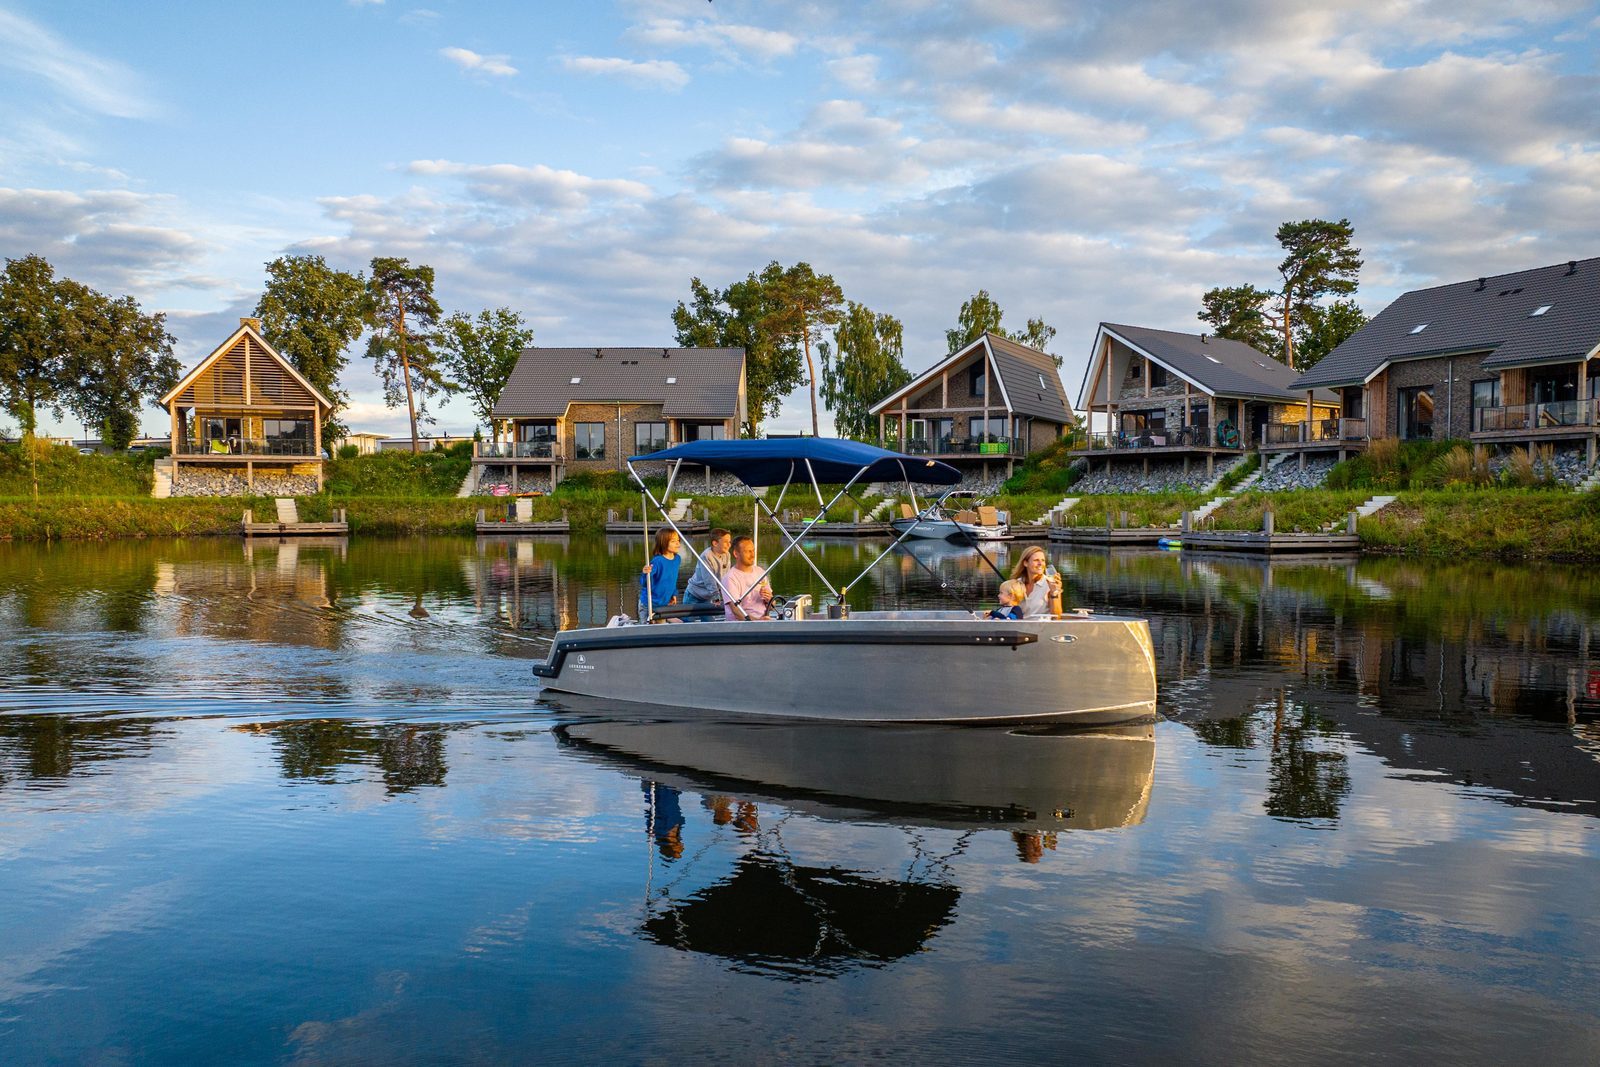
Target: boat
[
  {"x": 953, "y": 518},
  {"x": 842, "y": 665}
]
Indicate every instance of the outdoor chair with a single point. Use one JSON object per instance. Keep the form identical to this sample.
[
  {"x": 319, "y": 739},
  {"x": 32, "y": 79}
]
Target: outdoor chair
[{"x": 907, "y": 511}]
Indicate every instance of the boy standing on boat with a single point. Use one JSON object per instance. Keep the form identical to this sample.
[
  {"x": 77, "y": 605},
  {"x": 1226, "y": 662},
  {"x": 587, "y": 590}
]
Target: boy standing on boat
[
  {"x": 715, "y": 563},
  {"x": 748, "y": 588}
]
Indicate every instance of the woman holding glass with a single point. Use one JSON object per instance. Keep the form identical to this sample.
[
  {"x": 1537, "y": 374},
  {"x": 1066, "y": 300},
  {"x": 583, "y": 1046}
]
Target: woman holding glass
[{"x": 1040, "y": 582}]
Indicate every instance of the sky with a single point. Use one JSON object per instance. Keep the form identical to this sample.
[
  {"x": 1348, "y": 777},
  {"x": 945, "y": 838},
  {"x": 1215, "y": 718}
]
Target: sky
[{"x": 1083, "y": 162}]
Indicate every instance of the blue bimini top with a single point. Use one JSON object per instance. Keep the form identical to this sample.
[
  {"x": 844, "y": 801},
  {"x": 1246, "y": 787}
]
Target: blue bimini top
[{"x": 762, "y": 463}]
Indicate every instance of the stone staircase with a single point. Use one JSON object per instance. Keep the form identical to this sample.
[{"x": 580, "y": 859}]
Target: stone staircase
[
  {"x": 161, "y": 486},
  {"x": 1590, "y": 483},
  {"x": 880, "y": 513},
  {"x": 1373, "y": 506},
  {"x": 680, "y": 509},
  {"x": 469, "y": 484},
  {"x": 1203, "y": 512},
  {"x": 1066, "y": 503}
]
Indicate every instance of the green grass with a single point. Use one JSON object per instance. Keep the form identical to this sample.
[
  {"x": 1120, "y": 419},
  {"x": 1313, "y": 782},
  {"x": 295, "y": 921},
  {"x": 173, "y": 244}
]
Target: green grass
[
  {"x": 1144, "y": 509},
  {"x": 395, "y": 473},
  {"x": 1504, "y": 524},
  {"x": 62, "y": 472},
  {"x": 1047, "y": 471},
  {"x": 1300, "y": 511}
]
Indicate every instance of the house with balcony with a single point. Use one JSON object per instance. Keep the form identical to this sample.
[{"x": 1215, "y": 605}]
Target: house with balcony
[
  {"x": 981, "y": 409},
  {"x": 1185, "y": 399},
  {"x": 244, "y": 420},
  {"x": 1508, "y": 360},
  {"x": 565, "y": 410}
]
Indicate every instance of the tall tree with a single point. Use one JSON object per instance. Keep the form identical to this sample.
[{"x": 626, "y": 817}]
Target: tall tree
[
  {"x": 481, "y": 353},
  {"x": 36, "y": 327},
  {"x": 868, "y": 365},
  {"x": 804, "y": 303},
  {"x": 981, "y": 315},
  {"x": 742, "y": 316},
  {"x": 402, "y": 313},
  {"x": 1318, "y": 262},
  {"x": 1241, "y": 313},
  {"x": 311, "y": 313},
  {"x": 1324, "y": 327},
  {"x": 121, "y": 359}
]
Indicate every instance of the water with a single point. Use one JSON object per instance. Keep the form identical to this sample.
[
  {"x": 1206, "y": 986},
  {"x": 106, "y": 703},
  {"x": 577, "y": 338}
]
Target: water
[{"x": 303, "y": 804}]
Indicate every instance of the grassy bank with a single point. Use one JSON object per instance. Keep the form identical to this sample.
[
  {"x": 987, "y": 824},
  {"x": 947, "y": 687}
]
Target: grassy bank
[
  {"x": 1144, "y": 509},
  {"x": 62, "y": 472},
  {"x": 1488, "y": 524}
]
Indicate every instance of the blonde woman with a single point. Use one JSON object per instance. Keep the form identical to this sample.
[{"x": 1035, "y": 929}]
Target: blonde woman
[{"x": 1041, "y": 590}]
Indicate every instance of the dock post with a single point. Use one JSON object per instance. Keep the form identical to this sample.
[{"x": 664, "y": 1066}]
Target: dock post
[
  {"x": 1187, "y": 517},
  {"x": 1123, "y": 517},
  {"x": 1350, "y": 523},
  {"x": 1267, "y": 522},
  {"x": 1108, "y": 521}
]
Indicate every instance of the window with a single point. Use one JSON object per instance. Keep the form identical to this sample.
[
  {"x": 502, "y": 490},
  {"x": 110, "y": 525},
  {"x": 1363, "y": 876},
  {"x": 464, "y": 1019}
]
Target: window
[
  {"x": 977, "y": 380},
  {"x": 1416, "y": 413},
  {"x": 286, "y": 437},
  {"x": 1419, "y": 327},
  {"x": 1485, "y": 394},
  {"x": 1554, "y": 385},
  {"x": 1353, "y": 402},
  {"x": 1158, "y": 376},
  {"x": 1542, "y": 309},
  {"x": 1200, "y": 415},
  {"x": 589, "y": 440},
  {"x": 222, "y": 436},
  {"x": 1135, "y": 370},
  {"x": 575, "y": 381},
  {"x": 992, "y": 429},
  {"x": 649, "y": 436},
  {"x": 672, "y": 380},
  {"x": 705, "y": 431}
]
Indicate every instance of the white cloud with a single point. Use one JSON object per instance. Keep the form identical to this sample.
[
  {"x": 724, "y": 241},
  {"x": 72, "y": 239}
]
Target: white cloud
[
  {"x": 657, "y": 73},
  {"x": 498, "y": 66},
  {"x": 86, "y": 81},
  {"x": 728, "y": 39}
]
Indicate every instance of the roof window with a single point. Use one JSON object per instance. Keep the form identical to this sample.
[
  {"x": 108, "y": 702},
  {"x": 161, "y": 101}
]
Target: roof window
[
  {"x": 1540, "y": 310},
  {"x": 1419, "y": 327},
  {"x": 672, "y": 381},
  {"x": 575, "y": 381},
  {"x": 1215, "y": 360},
  {"x": 1041, "y": 381}
]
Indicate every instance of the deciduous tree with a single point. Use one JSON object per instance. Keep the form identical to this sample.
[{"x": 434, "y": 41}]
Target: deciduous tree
[
  {"x": 1324, "y": 327},
  {"x": 1241, "y": 313},
  {"x": 742, "y": 316},
  {"x": 311, "y": 313},
  {"x": 981, "y": 315},
  {"x": 121, "y": 359},
  {"x": 36, "y": 327},
  {"x": 863, "y": 365},
  {"x": 480, "y": 354},
  {"x": 402, "y": 314}
]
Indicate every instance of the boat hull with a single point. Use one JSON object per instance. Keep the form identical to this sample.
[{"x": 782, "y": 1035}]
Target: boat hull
[
  {"x": 950, "y": 530},
  {"x": 881, "y": 667}
]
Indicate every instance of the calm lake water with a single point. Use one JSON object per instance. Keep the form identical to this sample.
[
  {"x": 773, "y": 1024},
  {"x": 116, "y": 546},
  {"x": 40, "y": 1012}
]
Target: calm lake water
[{"x": 304, "y": 804}]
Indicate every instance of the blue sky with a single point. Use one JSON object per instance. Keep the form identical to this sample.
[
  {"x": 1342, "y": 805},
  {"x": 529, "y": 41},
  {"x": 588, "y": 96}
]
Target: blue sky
[{"x": 1082, "y": 161}]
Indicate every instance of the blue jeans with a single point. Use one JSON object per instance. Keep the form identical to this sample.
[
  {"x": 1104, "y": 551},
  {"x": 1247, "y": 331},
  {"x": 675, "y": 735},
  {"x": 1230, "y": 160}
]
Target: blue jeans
[{"x": 699, "y": 602}]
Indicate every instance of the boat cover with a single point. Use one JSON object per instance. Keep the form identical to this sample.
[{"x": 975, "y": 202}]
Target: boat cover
[{"x": 760, "y": 463}]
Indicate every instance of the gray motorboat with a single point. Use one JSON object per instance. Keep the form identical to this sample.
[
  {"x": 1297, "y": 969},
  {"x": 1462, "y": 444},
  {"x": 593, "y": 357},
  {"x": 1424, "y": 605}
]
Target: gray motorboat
[{"x": 857, "y": 666}]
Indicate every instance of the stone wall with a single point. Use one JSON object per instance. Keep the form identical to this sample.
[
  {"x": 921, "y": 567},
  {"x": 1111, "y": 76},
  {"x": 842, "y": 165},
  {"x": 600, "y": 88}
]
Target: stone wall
[
  {"x": 231, "y": 481},
  {"x": 1163, "y": 476}
]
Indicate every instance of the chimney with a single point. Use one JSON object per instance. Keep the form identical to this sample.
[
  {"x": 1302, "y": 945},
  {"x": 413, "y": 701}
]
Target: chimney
[
  {"x": 1572, "y": 267},
  {"x": 1483, "y": 283},
  {"x": 255, "y": 324},
  {"x": 1202, "y": 338},
  {"x": 598, "y": 355}
]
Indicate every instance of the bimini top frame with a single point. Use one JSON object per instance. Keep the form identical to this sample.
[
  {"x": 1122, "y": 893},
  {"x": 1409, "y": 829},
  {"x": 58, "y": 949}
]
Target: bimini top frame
[{"x": 761, "y": 464}]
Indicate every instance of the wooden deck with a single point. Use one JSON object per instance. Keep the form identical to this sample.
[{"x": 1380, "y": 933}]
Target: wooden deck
[
  {"x": 288, "y": 524},
  {"x": 633, "y": 525},
  {"x": 517, "y": 527},
  {"x": 1262, "y": 543},
  {"x": 1110, "y": 535}
]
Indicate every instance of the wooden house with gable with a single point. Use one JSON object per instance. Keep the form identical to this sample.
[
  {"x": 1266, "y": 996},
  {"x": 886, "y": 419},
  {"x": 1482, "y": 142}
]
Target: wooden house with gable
[
  {"x": 245, "y": 411},
  {"x": 982, "y": 408}
]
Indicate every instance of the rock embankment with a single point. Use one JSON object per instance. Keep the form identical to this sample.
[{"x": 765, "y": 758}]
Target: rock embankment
[
  {"x": 1166, "y": 476},
  {"x": 201, "y": 482}
]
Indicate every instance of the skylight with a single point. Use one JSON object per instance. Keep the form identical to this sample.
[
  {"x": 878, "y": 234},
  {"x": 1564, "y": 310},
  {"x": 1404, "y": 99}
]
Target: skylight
[
  {"x": 575, "y": 381},
  {"x": 1041, "y": 381},
  {"x": 672, "y": 381},
  {"x": 1540, "y": 310},
  {"x": 1215, "y": 360},
  {"x": 1419, "y": 327}
]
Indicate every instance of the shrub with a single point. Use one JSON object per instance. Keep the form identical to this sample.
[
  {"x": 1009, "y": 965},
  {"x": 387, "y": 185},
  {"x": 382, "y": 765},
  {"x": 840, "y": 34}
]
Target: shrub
[
  {"x": 1458, "y": 467},
  {"x": 348, "y": 452},
  {"x": 1049, "y": 470}
]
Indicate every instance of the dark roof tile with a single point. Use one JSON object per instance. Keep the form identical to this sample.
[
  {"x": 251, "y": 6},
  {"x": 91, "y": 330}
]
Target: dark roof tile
[{"x": 705, "y": 381}]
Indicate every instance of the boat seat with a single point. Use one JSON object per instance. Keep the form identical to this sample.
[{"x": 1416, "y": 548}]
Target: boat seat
[
  {"x": 689, "y": 611},
  {"x": 989, "y": 516},
  {"x": 907, "y": 511},
  {"x": 966, "y": 516}
]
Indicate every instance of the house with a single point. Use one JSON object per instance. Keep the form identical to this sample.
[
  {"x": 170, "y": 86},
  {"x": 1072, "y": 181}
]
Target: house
[
  {"x": 990, "y": 403},
  {"x": 588, "y": 409},
  {"x": 425, "y": 442},
  {"x": 1184, "y": 397},
  {"x": 245, "y": 420},
  {"x": 1504, "y": 360},
  {"x": 365, "y": 442}
]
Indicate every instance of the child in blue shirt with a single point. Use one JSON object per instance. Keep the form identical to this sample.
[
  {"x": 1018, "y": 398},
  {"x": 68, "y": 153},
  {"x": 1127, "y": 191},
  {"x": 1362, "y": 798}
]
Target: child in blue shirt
[
  {"x": 661, "y": 573},
  {"x": 1010, "y": 602}
]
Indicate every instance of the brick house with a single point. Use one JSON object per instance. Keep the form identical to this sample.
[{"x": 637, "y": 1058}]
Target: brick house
[
  {"x": 1504, "y": 360},
  {"x": 588, "y": 409},
  {"x": 1181, "y": 396},
  {"x": 950, "y": 411}
]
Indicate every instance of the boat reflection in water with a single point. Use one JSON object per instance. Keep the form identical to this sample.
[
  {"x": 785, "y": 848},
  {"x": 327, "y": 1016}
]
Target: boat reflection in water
[{"x": 797, "y": 916}]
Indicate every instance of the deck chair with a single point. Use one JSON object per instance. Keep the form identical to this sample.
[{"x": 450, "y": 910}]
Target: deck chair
[
  {"x": 524, "y": 510},
  {"x": 219, "y": 447},
  {"x": 988, "y": 516},
  {"x": 288, "y": 513},
  {"x": 907, "y": 511}
]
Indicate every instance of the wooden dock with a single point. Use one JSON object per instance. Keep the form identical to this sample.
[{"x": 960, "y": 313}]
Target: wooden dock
[
  {"x": 1115, "y": 536},
  {"x": 634, "y": 525},
  {"x": 513, "y": 527},
  {"x": 1267, "y": 541},
  {"x": 288, "y": 524},
  {"x": 841, "y": 529}
]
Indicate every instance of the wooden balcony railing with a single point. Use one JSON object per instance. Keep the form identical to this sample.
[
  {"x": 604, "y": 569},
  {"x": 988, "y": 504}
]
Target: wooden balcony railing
[
  {"x": 1555, "y": 415},
  {"x": 1177, "y": 437},
  {"x": 1317, "y": 430}
]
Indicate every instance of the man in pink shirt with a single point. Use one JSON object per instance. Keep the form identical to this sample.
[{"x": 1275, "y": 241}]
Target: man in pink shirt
[{"x": 748, "y": 590}]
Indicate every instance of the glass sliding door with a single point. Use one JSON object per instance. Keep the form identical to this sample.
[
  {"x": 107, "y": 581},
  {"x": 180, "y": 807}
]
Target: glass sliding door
[{"x": 1416, "y": 413}]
